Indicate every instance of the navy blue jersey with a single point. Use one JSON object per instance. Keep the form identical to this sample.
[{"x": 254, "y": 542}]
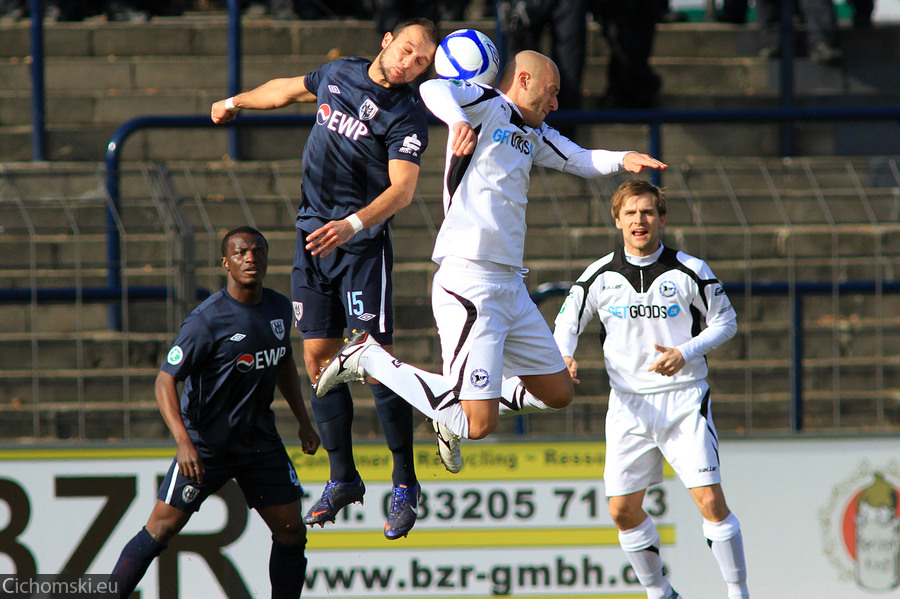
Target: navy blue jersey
[
  {"x": 360, "y": 126},
  {"x": 227, "y": 353}
]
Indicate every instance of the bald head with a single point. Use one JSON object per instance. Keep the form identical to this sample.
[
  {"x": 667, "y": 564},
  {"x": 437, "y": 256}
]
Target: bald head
[{"x": 531, "y": 80}]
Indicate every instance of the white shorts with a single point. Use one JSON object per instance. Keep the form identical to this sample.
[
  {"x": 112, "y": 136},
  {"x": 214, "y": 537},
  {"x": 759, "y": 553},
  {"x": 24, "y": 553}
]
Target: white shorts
[
  {"x": 489, "y": 327},
  {"x": 642, "y": 430}
]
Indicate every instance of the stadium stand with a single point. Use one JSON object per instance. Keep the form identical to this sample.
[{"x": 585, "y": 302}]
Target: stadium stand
[{"x": 816, "y": 225}]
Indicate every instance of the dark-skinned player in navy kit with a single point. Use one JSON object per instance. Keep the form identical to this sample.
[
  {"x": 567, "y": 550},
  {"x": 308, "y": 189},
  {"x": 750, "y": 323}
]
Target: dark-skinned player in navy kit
[
  {"x": 360, "y": 167},
  {"x": 232, "y": 351}
]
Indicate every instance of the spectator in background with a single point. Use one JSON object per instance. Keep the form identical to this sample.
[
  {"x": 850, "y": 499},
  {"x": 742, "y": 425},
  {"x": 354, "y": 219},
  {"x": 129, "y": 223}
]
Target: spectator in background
[
  {"x": 733, "y": 11},
  {"x": 862, "y": 12},
  {"x": 455, "y": 10},
  {"x": 388, "y": 13},
  {"x": 822, "y": 43},
  {"x": 525, "y": 22},
  {"x": 131, "y": 11},
  {"x": 629, "y": 27}
]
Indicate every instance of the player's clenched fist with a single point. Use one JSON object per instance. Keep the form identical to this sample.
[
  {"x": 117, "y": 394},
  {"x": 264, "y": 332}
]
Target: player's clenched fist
[{"x": 224, "y": 111}]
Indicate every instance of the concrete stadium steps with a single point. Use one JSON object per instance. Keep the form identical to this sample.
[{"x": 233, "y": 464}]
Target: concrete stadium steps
[{"x": 100, "y": 75}]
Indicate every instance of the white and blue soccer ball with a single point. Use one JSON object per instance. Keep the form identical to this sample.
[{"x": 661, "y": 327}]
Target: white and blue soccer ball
[{"x": 468, "y": 55}]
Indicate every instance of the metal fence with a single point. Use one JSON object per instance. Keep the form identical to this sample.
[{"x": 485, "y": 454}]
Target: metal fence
[{"x": 809, "y": 249}]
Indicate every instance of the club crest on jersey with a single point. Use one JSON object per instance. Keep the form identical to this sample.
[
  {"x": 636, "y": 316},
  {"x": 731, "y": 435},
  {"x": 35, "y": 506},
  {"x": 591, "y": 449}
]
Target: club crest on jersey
[
  {"x": 189, "y": 494},
  {"x": 245, "y": 363},
  {"x": 480, "y": 378},
  {"x": 667, "y": 288},
  {"x": 298, "y": 311},
  {"x": 344, "y": 124},
  {"x": 277, "y": 328},
  {"x": 368, "y": 110}
]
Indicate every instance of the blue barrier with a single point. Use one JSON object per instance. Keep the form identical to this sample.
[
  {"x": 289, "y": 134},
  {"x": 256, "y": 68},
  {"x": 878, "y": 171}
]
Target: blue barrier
[
  {"x": 89, "y": 294},
  {"x": 798, "y": 290},
  {"x": 654, "y": 118}
]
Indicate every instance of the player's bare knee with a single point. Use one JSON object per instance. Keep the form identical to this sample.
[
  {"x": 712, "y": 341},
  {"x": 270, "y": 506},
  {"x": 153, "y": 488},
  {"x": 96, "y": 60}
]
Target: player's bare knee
[
  {"x": 480, "y": 429},
  {"x": 626, "y": 516},
  {"x": 561, "y": 399}
]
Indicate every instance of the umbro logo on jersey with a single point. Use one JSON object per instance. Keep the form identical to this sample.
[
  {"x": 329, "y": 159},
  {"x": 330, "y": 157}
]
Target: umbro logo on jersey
[
  {"x": 368, "y": 110},
  {"x": 237, "y": 337},
  {"x": 334, "y": 89},
  {"x": 341, "y": 123},
  {"x": 366, "y": 317}
]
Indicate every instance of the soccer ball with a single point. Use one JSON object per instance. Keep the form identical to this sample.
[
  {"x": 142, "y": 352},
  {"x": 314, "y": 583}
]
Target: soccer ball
[{"x": 469, "y": 55}]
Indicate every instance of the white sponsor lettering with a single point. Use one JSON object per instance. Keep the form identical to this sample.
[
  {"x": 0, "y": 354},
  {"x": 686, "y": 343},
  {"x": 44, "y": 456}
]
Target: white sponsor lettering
[
  {"x": 269, "y": 357},
  {"x": 346, "y": 125}
]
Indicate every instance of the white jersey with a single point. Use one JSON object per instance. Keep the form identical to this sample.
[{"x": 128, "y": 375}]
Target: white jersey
[
  {"x": 659, "y": 299},
  {"x": 485, "y": 194}
]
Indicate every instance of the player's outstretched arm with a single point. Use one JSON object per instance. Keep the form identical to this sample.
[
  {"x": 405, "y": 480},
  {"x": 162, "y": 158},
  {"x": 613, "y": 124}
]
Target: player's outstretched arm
[
  {"x": 635, "y": 162},
  {"x": 289, "y": 385},
  {"x": 276, "y": 93},
  {"x": 399, "y": 194},
  {"x": 190, "y": 464}
]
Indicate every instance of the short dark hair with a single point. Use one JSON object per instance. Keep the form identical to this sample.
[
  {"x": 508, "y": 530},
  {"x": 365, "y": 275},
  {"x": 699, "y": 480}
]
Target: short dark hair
[
  {"x": 637, "y": 187},
  {"x": 240, "y": 231},
  {"x": 431, "y": 30}
]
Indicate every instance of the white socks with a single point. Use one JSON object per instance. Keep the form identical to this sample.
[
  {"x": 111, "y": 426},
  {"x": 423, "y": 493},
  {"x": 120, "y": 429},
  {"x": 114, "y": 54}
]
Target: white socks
[
  {"x": 426, "y": 391},
  {"x": 515, "y": 400},
  {"x": 641, "y": 545},
  {"x": 432, "y": 395},
  {"x": 727, "y": 545}
]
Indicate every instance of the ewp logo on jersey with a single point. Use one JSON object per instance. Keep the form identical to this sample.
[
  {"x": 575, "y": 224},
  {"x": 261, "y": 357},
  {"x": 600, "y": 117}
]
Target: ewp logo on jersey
[
  {"x": 341, "y": 123},
  {"x": 261, "y": 359}
]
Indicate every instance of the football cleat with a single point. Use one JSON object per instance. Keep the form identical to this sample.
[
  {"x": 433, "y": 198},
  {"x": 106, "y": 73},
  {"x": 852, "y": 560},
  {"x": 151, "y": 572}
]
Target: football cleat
[
  {"x": 335, "y": 497},
  {"x": 344, "y": 366},
  {"x": 448, "y": 447},
  {"x": 403, "y": 512}
]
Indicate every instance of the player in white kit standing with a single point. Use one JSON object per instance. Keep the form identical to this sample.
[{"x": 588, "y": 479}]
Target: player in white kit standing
[
  {"x": 497, "y": 350},
  {"x": 652, "y": 301}
]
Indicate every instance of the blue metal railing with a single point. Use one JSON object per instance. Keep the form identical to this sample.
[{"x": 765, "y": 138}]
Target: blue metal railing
[
  {"x": 798, "y": 290},
  {"x": 38, "y": 113},
  {"x": 654, "y": 118}
]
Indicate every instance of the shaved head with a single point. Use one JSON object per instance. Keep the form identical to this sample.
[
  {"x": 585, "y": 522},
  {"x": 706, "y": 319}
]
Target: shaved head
[
  {"x": 529, "y": 61},
  {"x": 531, "y": 81}
]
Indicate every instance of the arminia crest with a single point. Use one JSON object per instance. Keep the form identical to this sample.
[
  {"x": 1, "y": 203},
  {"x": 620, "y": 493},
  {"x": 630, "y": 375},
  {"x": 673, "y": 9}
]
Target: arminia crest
[{"x": 368, "y": 110}]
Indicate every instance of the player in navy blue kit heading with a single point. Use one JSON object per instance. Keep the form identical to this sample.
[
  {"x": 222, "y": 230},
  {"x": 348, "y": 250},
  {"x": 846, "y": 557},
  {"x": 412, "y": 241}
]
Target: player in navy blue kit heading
[
  {"x": 231, "y": 353},
  {"x": 360, "y": 167}
]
